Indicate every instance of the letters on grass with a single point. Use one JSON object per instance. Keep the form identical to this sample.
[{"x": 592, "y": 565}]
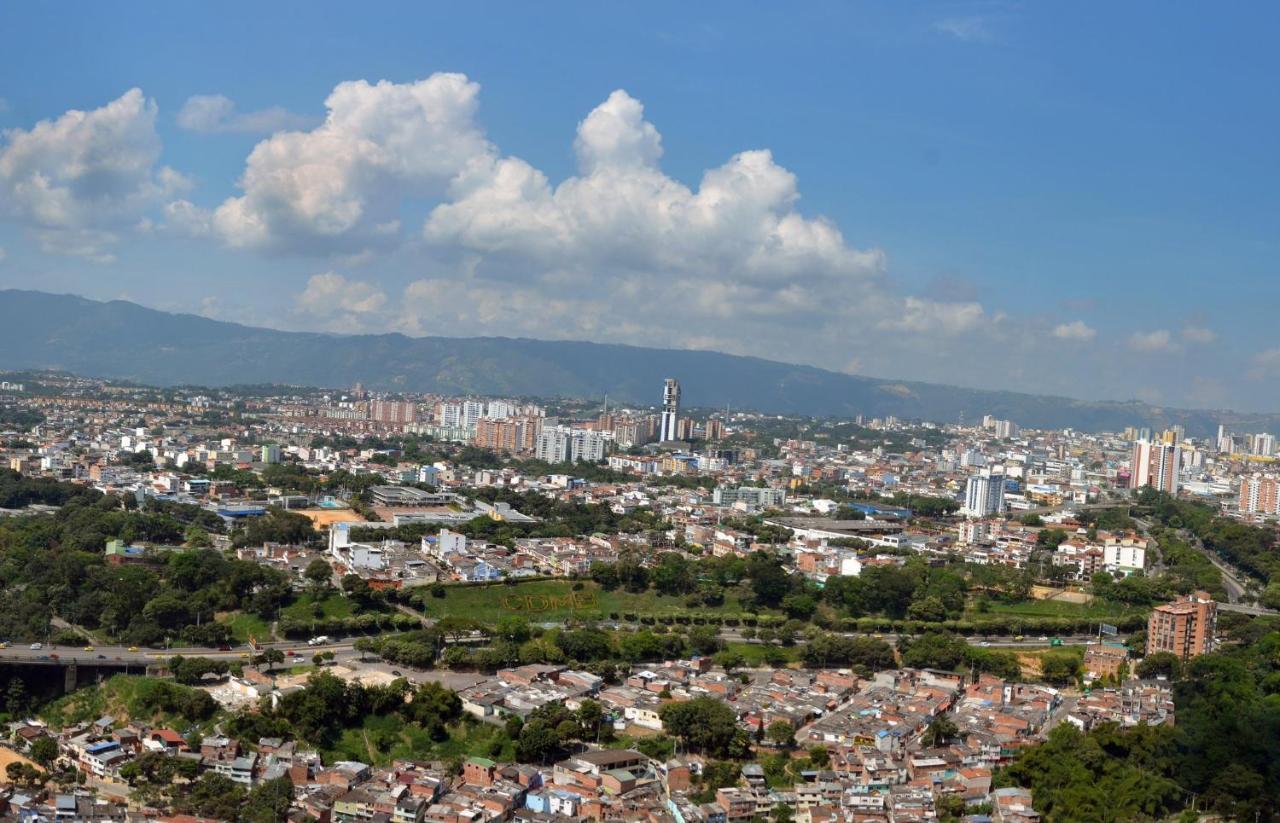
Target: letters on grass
[{"x": 575, "y": 601}]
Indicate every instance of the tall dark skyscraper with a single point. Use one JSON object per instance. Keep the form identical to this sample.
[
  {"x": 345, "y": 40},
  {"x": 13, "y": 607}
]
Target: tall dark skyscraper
[{"x": 670, "y": 410}]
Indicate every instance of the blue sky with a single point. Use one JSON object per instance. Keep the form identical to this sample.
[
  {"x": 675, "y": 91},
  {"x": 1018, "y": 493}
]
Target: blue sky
[{"x": 1069, "y": 198}]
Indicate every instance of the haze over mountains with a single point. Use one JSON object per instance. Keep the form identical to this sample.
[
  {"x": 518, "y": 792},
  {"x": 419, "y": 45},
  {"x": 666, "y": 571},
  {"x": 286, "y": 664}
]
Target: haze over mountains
[{"x": 123, "y": 340}]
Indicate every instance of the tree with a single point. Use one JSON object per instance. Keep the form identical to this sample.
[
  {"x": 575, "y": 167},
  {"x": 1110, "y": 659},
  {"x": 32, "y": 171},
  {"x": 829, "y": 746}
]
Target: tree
[
  {"x": 705, "y": 724},
  {"x": 1159, "y": 664},
  {"x": 197, "y": 538},
  {"x": 272, "y": 657},
  {"x": 1061, "y": 668},
  {"x": 781, "y": 733},
  {"x": 16, "y": 700},
  {"x": 590, "y": 717},
  {"x": 319, "y": 574},
  {"x": 268, "y": 802},
  {"x": 940, "y": 730},
  {"x": 44, "y": 750},
  {"x": 705, "y": 640}
]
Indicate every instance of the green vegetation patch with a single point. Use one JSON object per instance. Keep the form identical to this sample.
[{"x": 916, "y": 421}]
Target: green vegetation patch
[{"x": 555, "y": 601}]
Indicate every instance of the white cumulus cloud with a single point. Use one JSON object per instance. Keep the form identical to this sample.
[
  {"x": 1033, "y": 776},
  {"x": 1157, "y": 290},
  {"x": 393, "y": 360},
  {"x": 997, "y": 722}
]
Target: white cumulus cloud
[
  {"x": 929, "y": 317},
  {"x": 1199, "y": 335},
  {"x": 1077, "y": 330},
  {"x": 1152, "y": 341},
  {"x": 618, "y": 251},
  {"x": 216, "y": 113},
  {"x": 84, "y": 173},
  {"x": 624, "y": 213},
  {"x": 340, "y": 186},
  {"x": 330, "y": 294}
]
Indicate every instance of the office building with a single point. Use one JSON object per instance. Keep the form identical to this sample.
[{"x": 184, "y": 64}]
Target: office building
[
  {"x": 1184, "y": 627},
  {"x": 670, "y": 410},
  {"x": 1263, "y": 445},
  {"x": 1155, "y": 464},
  {"x": 984, "y": 494}
]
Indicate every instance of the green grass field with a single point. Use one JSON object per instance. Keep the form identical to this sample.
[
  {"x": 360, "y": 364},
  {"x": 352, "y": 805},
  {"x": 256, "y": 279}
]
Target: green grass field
[
  {"x": 754, "y": 653},
  {"x": 243, "y": 625},
  {"x": 556, "y": 600},
  {"x": 332, "y": 605},
  {"x": 381, "y": 740}
]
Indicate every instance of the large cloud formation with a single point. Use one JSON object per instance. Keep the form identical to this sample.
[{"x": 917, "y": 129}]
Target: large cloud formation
[
  {"x": 623, "y": 212},
  {"x": 619, "y": 251},
  {"x": 340, "y": 185},
  {"x": 78, "y": 179}
]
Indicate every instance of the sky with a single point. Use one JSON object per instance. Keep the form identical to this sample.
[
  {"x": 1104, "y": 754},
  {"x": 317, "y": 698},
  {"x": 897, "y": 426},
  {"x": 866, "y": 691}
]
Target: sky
[{"x": 1067, "y": 198}]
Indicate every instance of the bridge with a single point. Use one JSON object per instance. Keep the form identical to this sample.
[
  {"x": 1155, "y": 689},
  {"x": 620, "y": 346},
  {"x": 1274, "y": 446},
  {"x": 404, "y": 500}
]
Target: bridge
[{"x": 77, "y": 660}]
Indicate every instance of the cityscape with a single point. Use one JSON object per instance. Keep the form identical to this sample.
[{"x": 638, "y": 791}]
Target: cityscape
[
  {"x": 639, "y": 413},
  {"x": 609, "y": 609}
]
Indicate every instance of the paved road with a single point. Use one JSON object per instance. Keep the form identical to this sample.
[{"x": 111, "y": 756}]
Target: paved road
[
  {"x": 109, "y": 655},
  {"x": 1231, "y": 579}
]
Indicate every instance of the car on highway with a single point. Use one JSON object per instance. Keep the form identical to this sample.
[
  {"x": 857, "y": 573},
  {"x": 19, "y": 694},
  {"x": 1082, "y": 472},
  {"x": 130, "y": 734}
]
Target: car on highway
[
  {"x": 53, "y": 656},
  {"x": 35, "y": 647},
  {"x": 396, "y": 673},
  {"x": 133, "y": 648},
  {"x": 244, "y": 655},
  {"x": 291, "y": 653},
  {"x": 88, "y": 648},
  {"x": 4, "y": 644},
  {"x": 102, "y": 657},
  {"x": 224, "y": 648}
]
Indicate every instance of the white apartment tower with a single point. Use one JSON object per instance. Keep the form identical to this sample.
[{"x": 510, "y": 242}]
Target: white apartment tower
[
  {"x": 1155, "y": 464},
  {"x": 670, "y": 429},
  {"x": 984, "y": 494}
]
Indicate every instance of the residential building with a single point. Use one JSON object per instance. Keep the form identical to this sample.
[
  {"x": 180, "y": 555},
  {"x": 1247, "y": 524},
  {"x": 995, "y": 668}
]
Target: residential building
[
  {"x": 1259, "y": 494},
  {"x": 561, "y": 444},
  {"x": 984, "y": 494},
  {"x": 755, "y": 497},
  {"x": 1184, "y": 627},
  {"x": 1155, "y": 464}
]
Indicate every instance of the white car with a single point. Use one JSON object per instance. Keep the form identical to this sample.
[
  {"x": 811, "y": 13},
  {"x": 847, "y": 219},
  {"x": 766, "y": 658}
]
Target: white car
[{"x": 35, "y": 647}]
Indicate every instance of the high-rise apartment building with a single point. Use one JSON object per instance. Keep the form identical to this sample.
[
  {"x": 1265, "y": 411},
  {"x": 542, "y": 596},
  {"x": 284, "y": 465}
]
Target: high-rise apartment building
[
  {"x": 561, "y": 444},
  {"x": 516, "y": 435},
  {"x": 500, "y": 410},
  {"x": 1155, "y": 464},
  {"x": 984, "y": 494},
  {"x": 1259, "y": 494},
  {"x": 1184, "y": 627},
  {"x": 670, "y": 410},
  {"x": 393, "y": 411}
]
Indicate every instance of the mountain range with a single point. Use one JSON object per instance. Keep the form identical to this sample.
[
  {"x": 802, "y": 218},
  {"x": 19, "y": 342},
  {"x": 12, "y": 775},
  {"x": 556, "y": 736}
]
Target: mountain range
[{"x": 122, "y": 340}]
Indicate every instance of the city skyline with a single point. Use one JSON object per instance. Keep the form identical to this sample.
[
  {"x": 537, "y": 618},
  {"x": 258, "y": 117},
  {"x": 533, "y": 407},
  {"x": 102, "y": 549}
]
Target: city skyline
[{"x": 945, "y": 190}]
